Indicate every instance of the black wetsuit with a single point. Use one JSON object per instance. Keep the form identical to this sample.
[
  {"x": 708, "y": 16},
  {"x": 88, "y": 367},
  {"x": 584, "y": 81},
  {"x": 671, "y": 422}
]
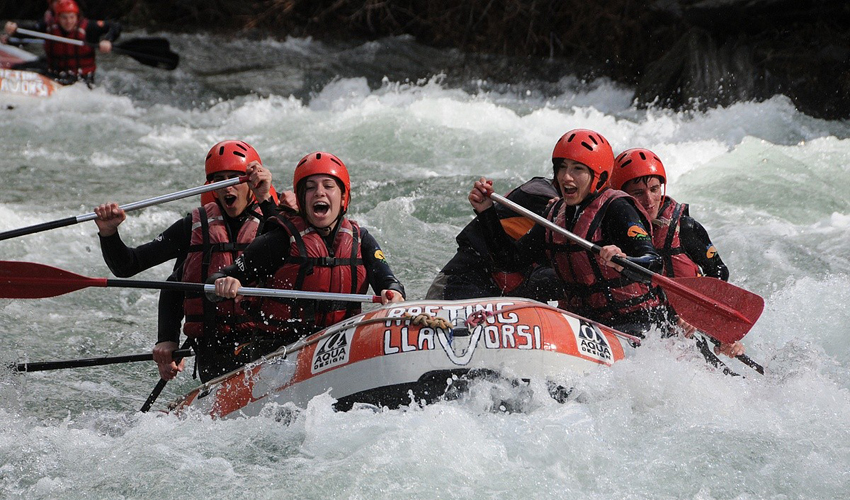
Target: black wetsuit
[
  {"x": 694, "y": 239},
  {"x": 173, "y": 243},
  {"x": 469, "y": 273}
]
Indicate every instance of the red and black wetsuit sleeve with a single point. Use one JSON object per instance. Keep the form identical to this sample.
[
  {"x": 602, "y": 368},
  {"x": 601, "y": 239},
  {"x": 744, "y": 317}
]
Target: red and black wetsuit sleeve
[
  {"x": 698, "y": 247},
  {"x": 378, "y": 271},
  {"x": 268, "y": 252},
  {"x": 102, "y": 30},
  {"x": 619, "y": 228}
]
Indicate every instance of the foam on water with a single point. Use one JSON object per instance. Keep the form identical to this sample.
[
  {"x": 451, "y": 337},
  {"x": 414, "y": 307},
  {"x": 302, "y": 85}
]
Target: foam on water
[{"x": 766, "y": 181}]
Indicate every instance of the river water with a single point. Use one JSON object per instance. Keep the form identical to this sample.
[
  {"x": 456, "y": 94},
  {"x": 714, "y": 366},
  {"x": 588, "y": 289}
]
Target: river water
[{"x": 416, "y": 127}]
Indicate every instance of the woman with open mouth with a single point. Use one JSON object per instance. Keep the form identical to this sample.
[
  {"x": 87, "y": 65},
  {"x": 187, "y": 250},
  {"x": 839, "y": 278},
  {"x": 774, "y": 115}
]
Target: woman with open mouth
[
  {"x": 595, "y": 287},
  {"x": 208, "y": 238},
  {"x": 318, "y": 249}
]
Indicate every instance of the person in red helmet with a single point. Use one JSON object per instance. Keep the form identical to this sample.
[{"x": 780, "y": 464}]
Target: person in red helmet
[
  {"x": 319, "y": 250},
  {"x": 67, "y": 63},
  {"x": 594, "y": 286},
  {"x": 207, "y": 239},
  {"x": 683, "y": 242}
]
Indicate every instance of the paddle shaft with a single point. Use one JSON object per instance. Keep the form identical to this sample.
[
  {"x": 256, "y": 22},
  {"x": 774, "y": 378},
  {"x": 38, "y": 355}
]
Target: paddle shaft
[
  {"x": 155, "y": 392},
  {"x": 666, "y": 283},
  {"x": 69, "y": 221},
  {"x": 48, "y": 36},
  {"x": 743, "y": 358},
  {"x": 163, "y": 58},
  {"x": 79, "y": 363},
  {"x": 246, "y": 291}
]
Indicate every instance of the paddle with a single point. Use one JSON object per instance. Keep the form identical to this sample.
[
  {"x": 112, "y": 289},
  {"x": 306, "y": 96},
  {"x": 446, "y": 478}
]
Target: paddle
[
  {"x": 155, "y": 392},
  {"x": 150, "y": 51},
  {"x": 743, "y": 358},
  {"x": 722, "y": 310},
  {"x": 44, "y": 226},
  {"x": 29, "y": 280},
  {"x": 78, "y": 363}
]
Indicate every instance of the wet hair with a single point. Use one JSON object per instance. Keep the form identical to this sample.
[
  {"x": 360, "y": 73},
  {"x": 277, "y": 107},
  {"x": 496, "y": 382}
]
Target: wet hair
[{"x": 644, "y": 179}]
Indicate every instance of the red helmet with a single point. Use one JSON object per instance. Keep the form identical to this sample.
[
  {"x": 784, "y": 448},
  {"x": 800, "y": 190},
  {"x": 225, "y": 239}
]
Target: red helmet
[
  {"x": 586, "y": 147},
  {"x": 322, "y": 163},
  {"x": 635, "y": 163},
  {"x": 66, "y": 6},
  {"x": 230, "y": 156}
]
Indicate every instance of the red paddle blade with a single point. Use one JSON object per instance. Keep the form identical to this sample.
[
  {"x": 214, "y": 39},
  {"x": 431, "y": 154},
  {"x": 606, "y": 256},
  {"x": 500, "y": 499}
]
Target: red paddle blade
[
  {"x": 720, "y": 309},
  {"x": 28, "y": 280}
]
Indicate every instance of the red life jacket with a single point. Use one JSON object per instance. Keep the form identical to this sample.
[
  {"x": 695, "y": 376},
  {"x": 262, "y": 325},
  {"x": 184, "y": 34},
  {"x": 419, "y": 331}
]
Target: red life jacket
[
  {"x": 211, "y": 249},
  {"x": 67, "y": 58},
  {"x": 665, "y": 239},
  {"x": 596, "y": 291},
  {"x": 310, "y": 267}
]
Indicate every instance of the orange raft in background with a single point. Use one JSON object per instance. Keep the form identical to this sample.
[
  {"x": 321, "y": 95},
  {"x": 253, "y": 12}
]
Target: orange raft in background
[
  {"x": 26, "y": 83},
  {"x": 412, "y": 351},
  {"x": 21, "y": 82}
]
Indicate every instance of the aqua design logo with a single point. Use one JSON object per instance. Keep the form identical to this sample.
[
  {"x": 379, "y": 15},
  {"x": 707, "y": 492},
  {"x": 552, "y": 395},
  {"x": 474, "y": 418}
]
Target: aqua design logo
[
  {"x": 590, "y": 340},
  {"x": 332, "y": 351}
]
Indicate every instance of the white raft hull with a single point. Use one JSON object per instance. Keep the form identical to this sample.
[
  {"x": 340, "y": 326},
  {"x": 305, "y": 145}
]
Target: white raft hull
[{"x": 381, "y": 358}]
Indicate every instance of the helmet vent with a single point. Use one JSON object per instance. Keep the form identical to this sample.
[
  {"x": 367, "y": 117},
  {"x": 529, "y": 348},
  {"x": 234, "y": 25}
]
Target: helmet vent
[
  {"x": 336, "y": 161},
  {"x": 595, "y": 142},
  {"x": 626, "y": 163},
  {"x": 241, "y": 146},
  {"x": 572, "y": 136},
  {"x": 586, "y": 145},
  {"x": 221, "y": 151},
  {"x": 237, "y": 153},
  {"x": 642, "y": 156}
]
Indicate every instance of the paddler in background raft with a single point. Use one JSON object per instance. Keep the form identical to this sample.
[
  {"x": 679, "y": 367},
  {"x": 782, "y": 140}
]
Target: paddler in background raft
[
  {"x": 48, "y": 20},
  {"x": 683, "y": 243},
  {"x": 67, "y": 63},
  {"x": 209, "y": 238},
  {"x": 318, "y": 250},
  {"x": 594, "y": 287},
  {"x": 469, "y": 273}
]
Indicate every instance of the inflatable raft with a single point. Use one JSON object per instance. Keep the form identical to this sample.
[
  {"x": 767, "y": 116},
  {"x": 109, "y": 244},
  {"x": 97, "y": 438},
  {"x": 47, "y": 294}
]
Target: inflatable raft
[
  {"x": 414, "y": 351},
  {"x": 14, "y": 82}
]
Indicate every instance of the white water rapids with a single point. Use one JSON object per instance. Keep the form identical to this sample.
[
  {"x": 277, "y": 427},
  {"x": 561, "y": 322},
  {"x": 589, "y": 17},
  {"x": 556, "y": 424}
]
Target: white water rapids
[{"x": 769, "y": 183}]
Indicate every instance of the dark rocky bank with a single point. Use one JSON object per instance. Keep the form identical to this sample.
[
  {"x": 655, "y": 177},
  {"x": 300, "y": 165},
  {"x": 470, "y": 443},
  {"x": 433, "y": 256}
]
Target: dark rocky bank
[{"x": 683, "y": 54}]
